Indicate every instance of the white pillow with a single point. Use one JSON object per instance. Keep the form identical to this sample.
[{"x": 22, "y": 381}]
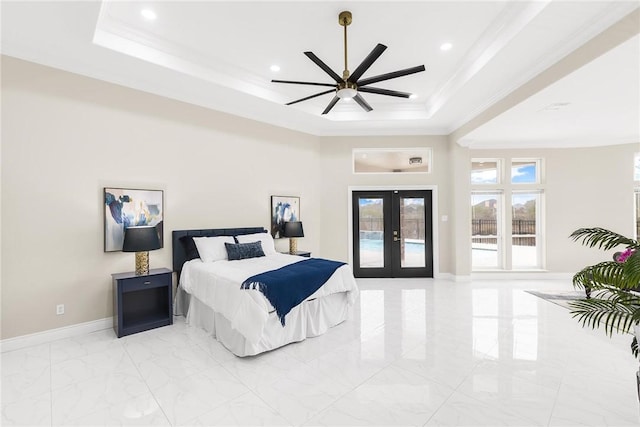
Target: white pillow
[
  {"x": 212, "y": 248},
  {"x": 268, "y": 245}
]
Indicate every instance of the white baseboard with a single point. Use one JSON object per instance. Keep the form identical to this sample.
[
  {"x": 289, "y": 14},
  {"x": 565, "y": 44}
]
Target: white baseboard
[
  {"x": 520, "y": 275},
  {"x": 452, "y": 277},
  {"x": 44, "y": 337}
]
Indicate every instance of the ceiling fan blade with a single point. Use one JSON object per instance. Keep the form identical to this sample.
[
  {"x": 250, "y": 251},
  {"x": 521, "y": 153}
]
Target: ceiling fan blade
[
  {"x": 384, "y": 92},
  {"x": 324, "y": 67},
  {"x": 368, "y": 61},
  {"x": 309, "y": 97},
  {"x": 333, "y": 102},
  {"x": 304, "y": 83},
  {"x": 392, "y": 75},
  {"x": 360, "y": 100}
]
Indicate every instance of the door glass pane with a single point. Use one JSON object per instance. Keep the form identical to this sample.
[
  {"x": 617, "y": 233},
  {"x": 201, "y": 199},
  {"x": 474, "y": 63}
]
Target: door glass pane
[
  {"x": 484, "y": 230},
  {"x": 412, "y": 237},
  {"x": 371, "y": 222},
  {"x": 524, "y": 250}
]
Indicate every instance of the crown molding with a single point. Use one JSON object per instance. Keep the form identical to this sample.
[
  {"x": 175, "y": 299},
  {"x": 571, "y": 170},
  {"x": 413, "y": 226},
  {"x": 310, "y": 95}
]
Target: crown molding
[{"x": 515, "y": 17}]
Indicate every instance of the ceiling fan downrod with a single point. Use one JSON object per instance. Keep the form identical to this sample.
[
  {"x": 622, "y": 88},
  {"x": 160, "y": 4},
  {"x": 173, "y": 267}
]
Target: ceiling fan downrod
[{"x": 345, "y": 19}]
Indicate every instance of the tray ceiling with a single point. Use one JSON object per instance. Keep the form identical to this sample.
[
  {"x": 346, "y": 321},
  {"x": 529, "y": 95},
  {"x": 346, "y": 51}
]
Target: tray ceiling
[{"x": 219, "y": 55}]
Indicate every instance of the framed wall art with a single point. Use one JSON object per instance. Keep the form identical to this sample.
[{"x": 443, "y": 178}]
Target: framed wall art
[
  {"x": 283, "y": 209},
  {"x": 125, "y": 207}
]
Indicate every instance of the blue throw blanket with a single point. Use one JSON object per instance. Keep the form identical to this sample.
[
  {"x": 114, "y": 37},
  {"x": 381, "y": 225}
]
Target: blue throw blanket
[{"x": 288, "y": 286}]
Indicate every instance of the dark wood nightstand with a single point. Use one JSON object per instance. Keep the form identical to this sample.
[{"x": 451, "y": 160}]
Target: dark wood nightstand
[
  {"x": 141, "y": 303},
  {"x": 299, "y": 253}
]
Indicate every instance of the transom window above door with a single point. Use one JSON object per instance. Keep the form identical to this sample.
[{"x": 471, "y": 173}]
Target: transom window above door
[{"x": 392, "y": 160}]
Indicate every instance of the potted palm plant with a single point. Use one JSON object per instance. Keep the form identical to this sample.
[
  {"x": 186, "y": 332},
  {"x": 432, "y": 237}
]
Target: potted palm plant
[{"x": 612, "y": 288}]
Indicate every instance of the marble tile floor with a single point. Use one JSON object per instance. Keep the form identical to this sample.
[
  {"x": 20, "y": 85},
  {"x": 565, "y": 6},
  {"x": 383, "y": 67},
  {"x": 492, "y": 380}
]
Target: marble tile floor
[{"x": 415, "y": 352}]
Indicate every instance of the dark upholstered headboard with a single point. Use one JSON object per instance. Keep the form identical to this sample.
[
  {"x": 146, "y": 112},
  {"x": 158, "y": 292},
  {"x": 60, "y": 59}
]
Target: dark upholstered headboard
[{"x": 179, "y": 255}]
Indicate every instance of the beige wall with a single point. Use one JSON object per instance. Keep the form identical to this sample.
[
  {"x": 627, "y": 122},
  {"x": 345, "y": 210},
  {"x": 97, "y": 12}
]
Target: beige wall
[
  {"x": 459, "y": 175},
  {"x": 338, "y": 176},
  {"x": 65, "y": 137}
]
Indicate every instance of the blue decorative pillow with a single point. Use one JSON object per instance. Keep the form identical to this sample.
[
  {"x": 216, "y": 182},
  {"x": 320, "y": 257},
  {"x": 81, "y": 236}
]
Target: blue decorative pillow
[
  {"x": 244, "y": 250},
  {"x": 190, "y": 249}
]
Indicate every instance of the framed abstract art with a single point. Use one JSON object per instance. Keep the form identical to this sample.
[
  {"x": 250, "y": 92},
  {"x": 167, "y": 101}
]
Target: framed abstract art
[
  {"x": 283, "y": 209},
  {"x": 125, "y": 207}
]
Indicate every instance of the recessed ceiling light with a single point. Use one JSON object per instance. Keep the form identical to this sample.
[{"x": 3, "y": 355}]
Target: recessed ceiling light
[
  {"x": 446, "y": 46},
  {"x": 275, "y": 68},
  {"x": 413, "y": 96},
  {"x": 148, "y": 14}
]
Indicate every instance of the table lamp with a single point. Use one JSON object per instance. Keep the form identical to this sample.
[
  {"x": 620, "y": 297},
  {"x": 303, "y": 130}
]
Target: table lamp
[
  {"x": 293, "y": 229},
  {"x": 141, "y": 240}
]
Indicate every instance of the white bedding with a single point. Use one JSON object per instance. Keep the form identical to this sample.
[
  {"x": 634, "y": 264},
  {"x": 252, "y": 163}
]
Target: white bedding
[{"x": 217, "y": 284}]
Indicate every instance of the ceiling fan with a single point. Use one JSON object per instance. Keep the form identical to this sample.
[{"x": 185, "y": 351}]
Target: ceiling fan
[{"x": 348, "y": 86}]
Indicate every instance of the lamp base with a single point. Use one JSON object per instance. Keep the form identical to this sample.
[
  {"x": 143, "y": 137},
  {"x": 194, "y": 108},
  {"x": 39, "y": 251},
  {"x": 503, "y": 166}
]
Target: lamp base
[
  {"x": 142, "y": 263},
  {"x": 293, "y": 246}
]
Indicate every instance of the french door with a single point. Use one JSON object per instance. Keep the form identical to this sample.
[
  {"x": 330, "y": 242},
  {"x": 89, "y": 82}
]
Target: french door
[{"x": 392, "y": 234}]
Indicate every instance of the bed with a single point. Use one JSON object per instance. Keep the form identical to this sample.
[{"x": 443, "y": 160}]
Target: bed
[{"x": 210, "y": 297}]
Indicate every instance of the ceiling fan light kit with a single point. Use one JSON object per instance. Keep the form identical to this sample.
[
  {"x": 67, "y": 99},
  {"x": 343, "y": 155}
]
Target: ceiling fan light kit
[
  {"x": 348, "y": 90},
  {"x": 350, "y": 84}
]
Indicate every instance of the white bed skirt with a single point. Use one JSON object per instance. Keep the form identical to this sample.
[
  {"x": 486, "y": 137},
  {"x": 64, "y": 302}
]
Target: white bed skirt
[{"x": 309, "y": 319}]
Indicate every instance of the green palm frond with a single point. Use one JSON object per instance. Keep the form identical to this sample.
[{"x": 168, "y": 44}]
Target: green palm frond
[
  {"x": 612, "y": 314},
  {"x": 602, "y": 238},
  {"x": 614, "y": 302},
  {"x": 631, "y": 268},
  {"x": 607, "y": 273}
]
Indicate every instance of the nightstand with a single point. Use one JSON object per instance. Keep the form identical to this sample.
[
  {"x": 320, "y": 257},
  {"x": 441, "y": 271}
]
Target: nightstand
[
  {"x": 141, "y": 303},
  {"x": 299, "y": 253}
]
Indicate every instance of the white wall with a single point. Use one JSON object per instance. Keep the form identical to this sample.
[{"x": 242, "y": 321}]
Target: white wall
[{"x": 65, "y": 137}]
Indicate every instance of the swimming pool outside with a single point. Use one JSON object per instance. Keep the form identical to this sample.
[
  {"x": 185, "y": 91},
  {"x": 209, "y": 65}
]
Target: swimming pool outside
[
  {"x": 372, "y": 253},
  {"x": 410, "y": 245}
]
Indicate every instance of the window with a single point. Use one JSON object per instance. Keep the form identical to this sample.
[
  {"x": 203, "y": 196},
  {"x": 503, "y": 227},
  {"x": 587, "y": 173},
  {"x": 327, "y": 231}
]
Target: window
[
  {"x": 485, "y": 171},
  {"x": 506, "y": 215},
  {"x": 525, "y": 171},
  {"x": 392, "y": 160},
  {"x": 525, "y": 224},
  {"x": 486, "y": 235}
]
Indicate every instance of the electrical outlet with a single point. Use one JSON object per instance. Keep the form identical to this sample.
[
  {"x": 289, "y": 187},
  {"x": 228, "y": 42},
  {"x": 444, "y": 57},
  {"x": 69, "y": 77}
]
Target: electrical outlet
[{"x": 60, "y": 309}]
